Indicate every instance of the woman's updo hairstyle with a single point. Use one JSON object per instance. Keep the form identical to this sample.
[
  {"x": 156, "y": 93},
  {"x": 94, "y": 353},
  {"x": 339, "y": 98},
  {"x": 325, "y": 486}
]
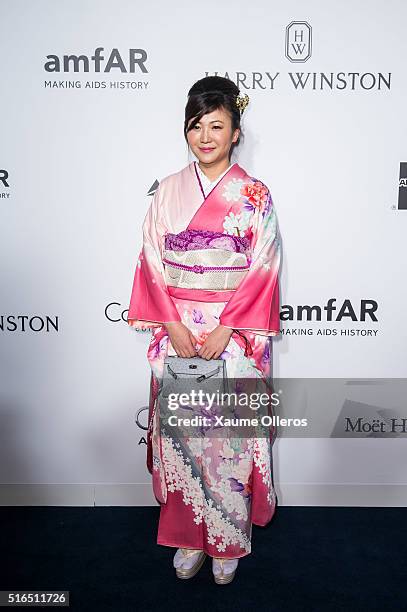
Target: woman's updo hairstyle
[{"x": 209, "y": 94}]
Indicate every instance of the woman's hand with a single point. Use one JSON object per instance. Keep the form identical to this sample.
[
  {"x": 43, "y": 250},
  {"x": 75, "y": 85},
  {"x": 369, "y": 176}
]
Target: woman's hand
[
  {"x": 182, "y": 339},
  {"x": 216, "y": 342}
]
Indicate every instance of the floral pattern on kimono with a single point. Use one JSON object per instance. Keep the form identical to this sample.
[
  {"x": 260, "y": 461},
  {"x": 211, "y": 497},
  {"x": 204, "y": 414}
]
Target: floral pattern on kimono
[{"x": 211, "y": 490}]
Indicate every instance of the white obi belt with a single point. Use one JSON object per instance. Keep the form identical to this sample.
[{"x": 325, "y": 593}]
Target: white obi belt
[{"x": 201, "y": 259}]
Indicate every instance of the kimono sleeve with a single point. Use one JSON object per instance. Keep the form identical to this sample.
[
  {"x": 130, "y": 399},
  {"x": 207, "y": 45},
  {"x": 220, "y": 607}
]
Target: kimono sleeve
[
  {"x": 255, "y": 305},
  {"x": 150, "y": 303}
]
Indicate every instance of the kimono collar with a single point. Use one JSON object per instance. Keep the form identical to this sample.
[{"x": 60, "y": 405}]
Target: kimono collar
[{"x": 207, "y": 184}]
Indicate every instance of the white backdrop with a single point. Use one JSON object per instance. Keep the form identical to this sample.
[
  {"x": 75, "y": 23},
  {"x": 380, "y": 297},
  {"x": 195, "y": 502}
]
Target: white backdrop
[{"x": 82, "y": 149}]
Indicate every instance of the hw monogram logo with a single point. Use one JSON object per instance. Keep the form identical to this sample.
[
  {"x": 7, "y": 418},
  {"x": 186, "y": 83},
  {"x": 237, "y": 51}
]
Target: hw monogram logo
[{"x": 298, "y": 41}]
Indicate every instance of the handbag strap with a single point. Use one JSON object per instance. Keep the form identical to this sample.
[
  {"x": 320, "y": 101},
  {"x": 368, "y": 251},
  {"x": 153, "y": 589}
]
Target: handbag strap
[{"x": 248, "y": 350}]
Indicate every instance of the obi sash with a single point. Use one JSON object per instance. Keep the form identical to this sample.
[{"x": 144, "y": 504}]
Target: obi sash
[{"x": 206, "y": 260}]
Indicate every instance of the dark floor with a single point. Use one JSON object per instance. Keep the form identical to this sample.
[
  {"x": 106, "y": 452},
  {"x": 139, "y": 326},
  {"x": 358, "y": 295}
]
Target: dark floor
[{"x": 316, "y": 559}]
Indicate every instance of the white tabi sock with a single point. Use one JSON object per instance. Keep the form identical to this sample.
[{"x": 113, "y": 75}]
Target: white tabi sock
[
  {"x": 184, "y": 561},
  {"x": 229, "y": 566}
]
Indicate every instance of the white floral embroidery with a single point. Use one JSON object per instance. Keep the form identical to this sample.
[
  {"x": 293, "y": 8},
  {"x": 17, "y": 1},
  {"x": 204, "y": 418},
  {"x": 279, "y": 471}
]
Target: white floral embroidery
[
  {"x": 232, "y": 190},
  {"x": 264, "y": 262},
  {"x": 235, "y": 225},
  {"x": 157, "y": 459},
  {"x": 261, "y": 457},
  {"x": 227, "y": 451},
  {"x": 232, "y": 500},
  {"x": 246, "y": 368},
  {"x": 180, "y": 478},
  {"x": 270, "y": 224},
  {"x": 197, "y": 445}
]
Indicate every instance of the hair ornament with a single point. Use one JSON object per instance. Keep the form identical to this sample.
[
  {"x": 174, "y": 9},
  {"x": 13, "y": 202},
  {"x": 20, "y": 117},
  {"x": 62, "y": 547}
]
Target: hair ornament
[{"x": 242, "y": 102}]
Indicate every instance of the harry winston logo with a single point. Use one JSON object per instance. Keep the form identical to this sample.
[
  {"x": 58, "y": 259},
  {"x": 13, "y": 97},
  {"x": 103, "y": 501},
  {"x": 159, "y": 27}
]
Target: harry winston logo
[{"x": 298, "y": 41}]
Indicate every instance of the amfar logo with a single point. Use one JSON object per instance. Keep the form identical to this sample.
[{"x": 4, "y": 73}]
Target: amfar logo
[
  {"x": 402, "y": 203},
  {"x": 4, "y": 183},
  {"x": 346, "y": 311},
  {"x": 298, "y": 41},
  {"x": 81, "y": 63},
  {"x": 4, "y": 177}
]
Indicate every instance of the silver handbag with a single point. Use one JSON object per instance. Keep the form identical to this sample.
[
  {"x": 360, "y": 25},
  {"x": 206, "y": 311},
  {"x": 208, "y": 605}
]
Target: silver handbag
[{"x": 183, "y": 374}]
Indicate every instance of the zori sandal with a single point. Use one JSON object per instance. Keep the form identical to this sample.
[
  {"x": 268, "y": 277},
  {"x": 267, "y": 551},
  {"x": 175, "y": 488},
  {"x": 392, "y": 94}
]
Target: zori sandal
[
  {"x": 188, "y": 562},
  {"x": 224, "y": 570}
]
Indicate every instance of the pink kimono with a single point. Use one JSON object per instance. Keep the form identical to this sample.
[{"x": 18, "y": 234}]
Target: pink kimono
[{"x": 207, "y": 261}]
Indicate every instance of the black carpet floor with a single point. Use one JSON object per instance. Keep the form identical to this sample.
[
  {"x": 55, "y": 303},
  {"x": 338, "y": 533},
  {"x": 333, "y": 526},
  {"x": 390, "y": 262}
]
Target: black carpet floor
[{"x": 316, "y": 559}]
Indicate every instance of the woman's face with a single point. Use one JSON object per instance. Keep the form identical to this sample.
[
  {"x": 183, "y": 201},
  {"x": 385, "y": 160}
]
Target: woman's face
[{"x": 211, "y": 138}]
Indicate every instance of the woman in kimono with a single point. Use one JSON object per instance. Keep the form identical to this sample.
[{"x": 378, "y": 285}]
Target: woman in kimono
[{"x": 206, "y": 284}]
